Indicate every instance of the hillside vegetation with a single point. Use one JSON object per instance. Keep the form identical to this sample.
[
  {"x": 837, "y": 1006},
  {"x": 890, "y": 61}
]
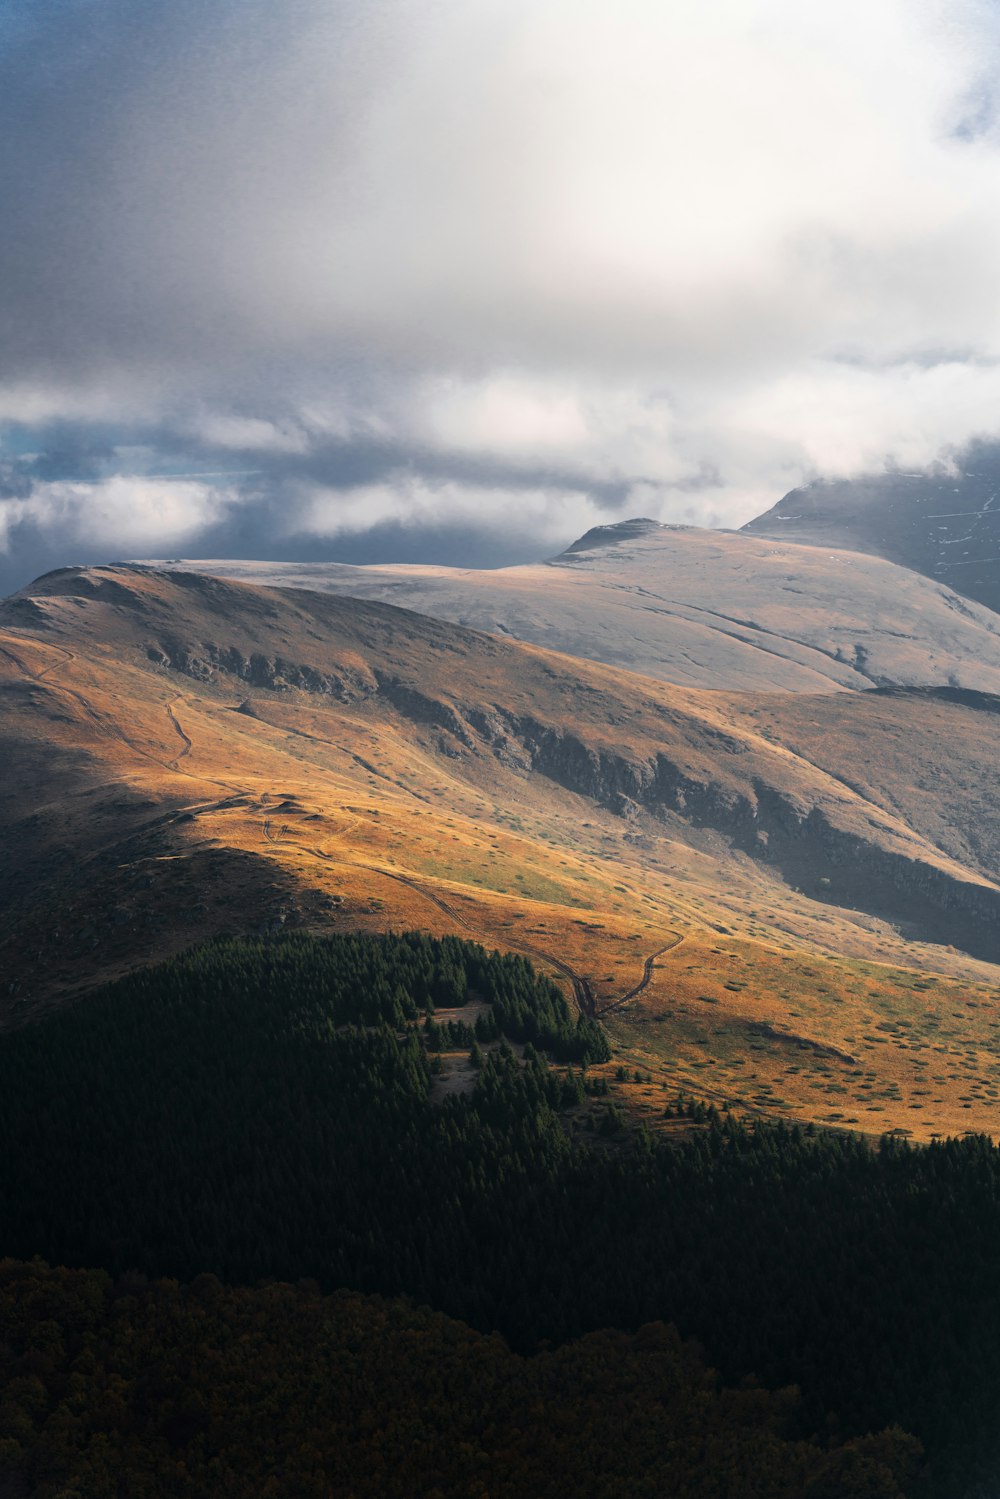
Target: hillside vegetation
[
  {"x": 268, "y": 1109},
  {"x": 506, "y": 982}
]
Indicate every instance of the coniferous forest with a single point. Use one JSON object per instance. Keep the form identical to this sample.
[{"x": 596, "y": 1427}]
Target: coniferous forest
[{"x": 264, "y": 1111}]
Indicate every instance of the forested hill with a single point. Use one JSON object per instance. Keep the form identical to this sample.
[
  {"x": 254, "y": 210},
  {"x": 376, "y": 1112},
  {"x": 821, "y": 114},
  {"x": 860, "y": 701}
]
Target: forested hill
[
  {"x": 272, "y": 1109},
  {"x": 156, "y": 1390}
]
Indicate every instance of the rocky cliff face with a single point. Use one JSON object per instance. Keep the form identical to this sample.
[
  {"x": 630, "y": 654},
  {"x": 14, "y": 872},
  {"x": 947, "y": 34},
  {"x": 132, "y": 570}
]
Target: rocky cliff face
[
  {"x": 804, "y": 844},
  {"x": 271, "y": 673}
]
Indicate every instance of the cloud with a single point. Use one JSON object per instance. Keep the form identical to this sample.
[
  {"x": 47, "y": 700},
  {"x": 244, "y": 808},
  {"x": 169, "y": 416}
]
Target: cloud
[
  {"x": 118, "y": 515},
  {"x": 407, "y": 500},
  {"x": 429, "y": 264}
]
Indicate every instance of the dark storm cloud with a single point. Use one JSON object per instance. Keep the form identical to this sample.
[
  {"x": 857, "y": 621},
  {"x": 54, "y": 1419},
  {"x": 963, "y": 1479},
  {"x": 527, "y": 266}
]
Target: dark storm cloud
[{"x": 15, "y": 483}]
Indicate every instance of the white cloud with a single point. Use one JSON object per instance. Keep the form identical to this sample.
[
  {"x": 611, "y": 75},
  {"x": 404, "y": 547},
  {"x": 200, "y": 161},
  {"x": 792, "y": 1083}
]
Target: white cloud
[
  {"x": 696, "y": 252},
  {"x": 126, "y": 514},
  {"x": 840, "y": 420},
  {"x": 637, "y": 186},
  {"x": 412, "y": 501}
]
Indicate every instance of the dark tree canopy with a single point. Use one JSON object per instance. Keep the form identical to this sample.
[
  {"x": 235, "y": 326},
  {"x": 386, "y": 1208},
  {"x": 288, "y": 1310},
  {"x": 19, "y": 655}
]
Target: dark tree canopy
[
  {"x": 264, "y": 1110},
  {"x": 153, "y": 1389}
]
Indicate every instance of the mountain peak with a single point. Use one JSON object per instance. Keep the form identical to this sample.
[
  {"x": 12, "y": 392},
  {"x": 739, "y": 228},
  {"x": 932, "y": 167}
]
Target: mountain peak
[
  {"x": 615, "y": 534},
  {"x": 943, "y": 524}
]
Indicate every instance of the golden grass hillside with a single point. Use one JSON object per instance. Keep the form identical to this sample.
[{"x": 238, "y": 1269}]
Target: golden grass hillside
[{"x": 185, "y": 755}]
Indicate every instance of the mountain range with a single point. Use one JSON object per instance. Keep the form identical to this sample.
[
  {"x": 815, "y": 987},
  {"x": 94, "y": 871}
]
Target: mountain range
[{"x": 562, "y": 947}]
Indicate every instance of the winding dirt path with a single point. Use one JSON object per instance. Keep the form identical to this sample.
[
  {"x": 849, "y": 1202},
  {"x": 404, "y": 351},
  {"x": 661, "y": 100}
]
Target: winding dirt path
[
  {"x": 583, "y": 991},
  {"x": 107, "y": 724},
  {"x": 647, "y": 974},
  {"x": 186, "y": 745},
  {"x": 102, "y": 721}
]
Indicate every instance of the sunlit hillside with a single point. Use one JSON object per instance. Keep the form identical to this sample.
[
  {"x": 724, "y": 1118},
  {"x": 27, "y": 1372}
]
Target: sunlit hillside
[{"x": 755, "y": 925}]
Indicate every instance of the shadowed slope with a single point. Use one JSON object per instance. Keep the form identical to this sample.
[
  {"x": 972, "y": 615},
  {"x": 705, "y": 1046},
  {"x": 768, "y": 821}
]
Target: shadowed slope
[{"x": 945, "y": 525}]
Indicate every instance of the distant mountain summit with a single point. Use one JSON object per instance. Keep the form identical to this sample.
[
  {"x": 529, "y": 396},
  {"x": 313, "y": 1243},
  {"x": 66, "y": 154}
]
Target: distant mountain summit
[
  {"x": 945, "y": 525},
  {"x": 636, "y": 529}
]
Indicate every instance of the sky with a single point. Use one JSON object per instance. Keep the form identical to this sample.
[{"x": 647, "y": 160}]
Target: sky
[{"x": 454, "y": 280}]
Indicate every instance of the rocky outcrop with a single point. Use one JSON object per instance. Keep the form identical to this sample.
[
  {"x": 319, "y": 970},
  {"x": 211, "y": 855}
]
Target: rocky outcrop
[
  {"x": 420, "y": 708},
  {"x": 272, "y": 673}
]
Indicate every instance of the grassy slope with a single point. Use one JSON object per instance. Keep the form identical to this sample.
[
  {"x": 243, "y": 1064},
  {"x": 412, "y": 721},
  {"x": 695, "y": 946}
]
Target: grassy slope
[{"x": 172, "y": 804}]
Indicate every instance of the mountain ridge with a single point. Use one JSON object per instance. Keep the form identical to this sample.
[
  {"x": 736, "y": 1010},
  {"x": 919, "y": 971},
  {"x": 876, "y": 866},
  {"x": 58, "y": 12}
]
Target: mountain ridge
[
  {"x": 711, "y": 609},
  {"x": 616, "y": 533}
]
